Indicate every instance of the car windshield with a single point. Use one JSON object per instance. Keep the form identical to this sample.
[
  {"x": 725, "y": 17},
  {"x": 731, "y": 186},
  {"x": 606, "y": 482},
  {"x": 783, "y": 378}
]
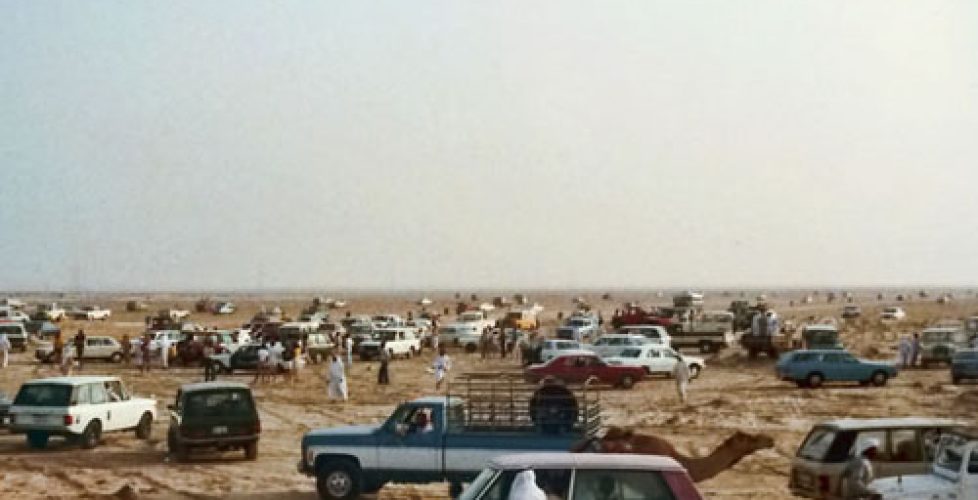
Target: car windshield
[
  {"x": 44, "y": 395},
  {"x": 966, "y": 356},
  {"x": 630, "y": 353},
  {"x": 951, "y": 453},
  {"x": 218, "y": 403},
  {"x": 385, "y": 335},
  {"x": 577, "y": 322},
  {"x": 817, "y": 444}
]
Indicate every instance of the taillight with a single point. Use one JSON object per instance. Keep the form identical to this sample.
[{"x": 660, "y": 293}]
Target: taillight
[
  {"x": 823, "y": 483},
  {"x": 69, "y": 420}
]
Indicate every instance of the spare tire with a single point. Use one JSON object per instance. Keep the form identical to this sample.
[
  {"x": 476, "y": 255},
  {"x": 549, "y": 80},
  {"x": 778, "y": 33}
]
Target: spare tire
[{"x": 553, "y": 409}]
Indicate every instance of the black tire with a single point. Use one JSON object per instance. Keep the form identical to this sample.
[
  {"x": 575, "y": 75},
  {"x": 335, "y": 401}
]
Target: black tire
[
  {"x": 814, "y": 380},
  {"x": 116, "y": 357},
  {"x": 470, "y": 348},
  {"x": 338, "y": 480},
  {"x": 145, "y": 427},
  {"x": 38, "y": 439},
  {"x": 878, "y": 379},
  {"x": 627, "y": 382},
  {"x": 706, "y": 347},
  {"x": 251, "y": 451},
  {"x": 92, "y": 434},
  {"x": 176, "y": 450},
  {"x": 694, "y": 371}
]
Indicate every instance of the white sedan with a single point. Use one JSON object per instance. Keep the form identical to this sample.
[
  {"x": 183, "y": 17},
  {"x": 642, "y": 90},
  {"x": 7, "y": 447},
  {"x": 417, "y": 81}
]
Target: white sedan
[
  {"x": 613, "y": 344},
  {"x": 656, "y": 359},
  {"x": 557, "y": 347}
]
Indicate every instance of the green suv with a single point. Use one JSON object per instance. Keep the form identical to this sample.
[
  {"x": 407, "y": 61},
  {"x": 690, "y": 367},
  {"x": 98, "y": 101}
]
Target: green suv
[{"x": 213, "y": 415}]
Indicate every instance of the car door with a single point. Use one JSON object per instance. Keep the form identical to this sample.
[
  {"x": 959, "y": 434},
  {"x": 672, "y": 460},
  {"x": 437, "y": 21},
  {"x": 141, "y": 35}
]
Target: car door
[
  {"x": 93, "y": 348},
  {"x": 103, "y": 408},
  {"x": 853, "y": 369},
  {"x": 658, "y": 362},
  {"x": 404, "y": 446},
  {"x": 832, "y": 367}
]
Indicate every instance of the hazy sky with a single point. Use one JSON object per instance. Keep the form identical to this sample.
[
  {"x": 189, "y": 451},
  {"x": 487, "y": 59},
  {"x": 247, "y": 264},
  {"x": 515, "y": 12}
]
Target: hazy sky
[{"x": 187, "y": 145}]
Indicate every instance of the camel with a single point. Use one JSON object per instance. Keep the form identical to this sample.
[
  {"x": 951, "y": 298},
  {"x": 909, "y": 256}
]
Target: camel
[{"x": 725, "y": 456}]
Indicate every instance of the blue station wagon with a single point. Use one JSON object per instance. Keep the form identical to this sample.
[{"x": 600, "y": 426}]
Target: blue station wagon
[{"x": 812, "y": 367}]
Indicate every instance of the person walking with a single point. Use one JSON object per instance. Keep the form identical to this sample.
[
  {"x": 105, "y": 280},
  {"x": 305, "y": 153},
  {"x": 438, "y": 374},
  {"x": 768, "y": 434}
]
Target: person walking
[
  {"x": 383, "y": 377},
  {"x": 4, "y": 349},
  {"x": 441, "y": 365},
  {"x": 348, "y": 346},
  {"x": 681, "y": 373},
  {"x": 336, "y": 380},
  {"x": 80, "y": 347},
  {"x": 858, "y": 471},
  {"x": 263, "y": 361},
  {"x": 905, "y": 350},
  {"x": 914, "y": 350}
]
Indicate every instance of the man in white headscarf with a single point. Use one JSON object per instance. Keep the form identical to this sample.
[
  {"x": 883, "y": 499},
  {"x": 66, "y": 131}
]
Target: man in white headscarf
[
  {"x": 525, "y": 487},
  {"x": 337, "y": 379},
  {"x": 680, "y": 371},
  {"x": 858, "y": 472}
]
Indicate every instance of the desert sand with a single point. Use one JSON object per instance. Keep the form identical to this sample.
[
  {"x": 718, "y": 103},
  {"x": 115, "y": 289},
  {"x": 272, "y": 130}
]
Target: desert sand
[{"x": 732, "y": 393}]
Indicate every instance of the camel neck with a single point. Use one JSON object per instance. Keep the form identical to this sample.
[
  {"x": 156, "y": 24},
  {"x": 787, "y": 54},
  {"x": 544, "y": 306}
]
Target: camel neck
[{"x": 703, "y": 468}]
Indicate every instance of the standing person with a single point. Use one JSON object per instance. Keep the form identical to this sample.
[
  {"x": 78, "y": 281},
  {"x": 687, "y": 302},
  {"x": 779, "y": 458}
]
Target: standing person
[
  {"x": 681, "y": 373},
  {"x": 296, "y": 361},
  {"x": 80, "y": 347},
  {"x": 434, "y": 340},
  {"x": 348, "y": 346},
  {"x": 262, "y": 367},
  {"x": 164, "y": 351},
  {"x": 126, "y": 348},
  {"x": 4, "y": 348},
  {"x": 59, "y": 346},
  {"x": 858, "y": 471},
  {"x": 67, "y": 359},
  {"x": 502, "y": 343},
  {"x": 905, "y": 349},
  {"x": 441, "y": 365},
  {"x": 383, "y": 377},
  {"x": 336, "y": 380},
  {"x": 914, "y": 349},
  {"x": 145, "y": 350}
]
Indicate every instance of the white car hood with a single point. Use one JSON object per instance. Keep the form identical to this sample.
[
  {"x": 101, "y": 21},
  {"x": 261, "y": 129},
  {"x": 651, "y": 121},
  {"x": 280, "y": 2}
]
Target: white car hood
[{"x": 921, "y": 486}]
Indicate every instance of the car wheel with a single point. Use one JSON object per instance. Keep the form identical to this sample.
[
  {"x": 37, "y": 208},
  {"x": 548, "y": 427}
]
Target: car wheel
[
  {"x": 694, "y": 371},
  {"x": 627, "y": 382},
  {"x": 338, "y": 480},
  {"x": 814, "y": 380},
  {"x": 145, "y": 427},
  {"x": 251, "y": 451},
  {"x": 92, "y": 435},
  {"x": 116, "y": 357},
  {"x": 177, "y": 450},
  {"x": 37, "y": 439},
  {"x": 879, "y": 379}
]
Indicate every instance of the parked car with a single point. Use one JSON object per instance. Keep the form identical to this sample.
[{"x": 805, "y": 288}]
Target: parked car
[
  {"x": 386, "y": 320},
  {"x": 893, "y": 313},
  {"x": 80, "y": 409},
  {"x": 476, "y": 318},
  {"x": 96, "y": 347},
  {"x": 521, "y": 319},
  {"x": 552, "y": 348},
  {"x": 213, "y": 415},
  {"x": 136, "y": 305},
  {"x": 91, "y": 313},
  {"x": 586, "y": 476},
  {"x": 656, "y": 333},
  {"x": 656, "y": 360},
  {"x": 964, "y": 365},
  {"x": 314, "y": 317},
  {"x": 820, "y": 337},
  {"x": 812, "y": 368},
  {"x": 851, "y": 312},
  {"x": 51, "y": 312},
  {"x": 245, "y": 358},
  {"x": 173, "y": 314},
  {"x": 578, "y": 367},
  {"x": 613, "y": 344},
  {"x": 938, "y": 345},
  {"x": 464, "y": 335},
  {"x": 16, "y": 334},
  {"x": 318, "y": 347},
  {"x": 953, "y": 473},
  {"x": 42, "y": 329},
  {"x": 402, "y": 342},
  {"x": 907, "y": 447},
  {"x": 579, "y": 327},
  {"x": 223, "y": 308},
  {"x": 15, "y": 315}
]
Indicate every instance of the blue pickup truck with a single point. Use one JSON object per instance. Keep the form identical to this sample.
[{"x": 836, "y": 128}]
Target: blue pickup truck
[{"x": 434, "y": 439}]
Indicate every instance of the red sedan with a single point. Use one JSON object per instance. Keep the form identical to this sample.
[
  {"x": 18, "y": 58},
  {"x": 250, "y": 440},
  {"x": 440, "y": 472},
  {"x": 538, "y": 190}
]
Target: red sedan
[{"x": 578, "y": 366}]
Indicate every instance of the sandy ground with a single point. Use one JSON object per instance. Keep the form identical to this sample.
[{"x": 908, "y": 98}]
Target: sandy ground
[{"x": 732, "y": 393}]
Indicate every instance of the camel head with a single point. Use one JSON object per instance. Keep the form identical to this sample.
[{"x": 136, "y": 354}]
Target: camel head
[{"x": 749, "y": 443}]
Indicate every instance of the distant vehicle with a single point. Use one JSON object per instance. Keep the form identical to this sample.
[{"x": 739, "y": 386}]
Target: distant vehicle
[
  {"x": 245, "y": 358},
  {"x": 213, "y": 415},
  {"x": 314, "y": 317},
  {"x": 386, "y": 320},
  {"x": 51, "y": 311},
  {"x": 223, "y": 308},
  {"x": 708, "y": 331},
  {"x": 586, "y": 324},
  {"x": 477, "y": 318},
  {"x": 79, "y": 408},
  {"x": 96, "y": 347},
  {"x": 14, "y": 315},
  {"x": 91, "y": 313},
  {"x": 318, "y": 347},
  {"x": 656, "y": 333},
  {"x": 938, "y": 345},
  {"x": 578, "y": 367},
  {"x": 964, "y": 365},
  {"x": 464, "y": 335},
  {"x": 136, "y": 306},
  {"x": 907, "y": 447},
  {"x": 656, "y": 360},
  {"x": 953, "y": 473},
  {"x": 173, "y": 336},
  {"x": 174, "y": 314},
  {"x": 521, "y": 319},
  {"x": 16, "y": 334},
  {"x": 851, "y": 312},
  {"x": 552, "y": 348},
  {"x": 811, "y": 368},
  {"x": 893, "y": 314},
  {"x": 12, "y": 303},
  {"x": 589, "y": 476},
  {"x": 613, "y": 344},
  {"x": 820, "y": 337},
  {"x": 42, "y": 329},
  {"x": 400, "y": 342}
]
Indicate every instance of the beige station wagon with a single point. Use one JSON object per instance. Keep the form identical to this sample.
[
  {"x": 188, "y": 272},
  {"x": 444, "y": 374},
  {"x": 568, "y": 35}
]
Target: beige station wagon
[{"x": 908, "y": 447}]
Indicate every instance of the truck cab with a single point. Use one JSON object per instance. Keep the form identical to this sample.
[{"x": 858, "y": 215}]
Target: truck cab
[{"x": 953, "y": 474}]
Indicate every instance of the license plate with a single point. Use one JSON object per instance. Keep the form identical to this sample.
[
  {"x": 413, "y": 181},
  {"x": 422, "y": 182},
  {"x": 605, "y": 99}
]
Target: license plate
[{"x": 221, "y": 429}]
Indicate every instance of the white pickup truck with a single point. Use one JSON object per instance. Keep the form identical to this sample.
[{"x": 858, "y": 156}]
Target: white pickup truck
[
  {"x": 52, "y": 311},
  {"x": 403, "y": 342},
  {"x": 91, "y": 313},
  {"x": 953, "y": 475},
  {"x": 80, "y": 409}
]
